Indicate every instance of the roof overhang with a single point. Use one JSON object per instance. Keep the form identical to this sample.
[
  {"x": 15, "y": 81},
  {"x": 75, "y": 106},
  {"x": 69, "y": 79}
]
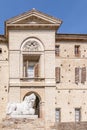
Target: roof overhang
[{"x": 71, "y": 37}]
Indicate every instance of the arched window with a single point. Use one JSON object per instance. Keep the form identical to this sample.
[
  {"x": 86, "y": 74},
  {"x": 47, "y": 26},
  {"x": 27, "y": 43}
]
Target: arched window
[{"x": 31, "y": 50}]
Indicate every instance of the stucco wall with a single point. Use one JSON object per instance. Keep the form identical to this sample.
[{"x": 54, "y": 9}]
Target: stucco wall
[{"x": 4, "y": 73}]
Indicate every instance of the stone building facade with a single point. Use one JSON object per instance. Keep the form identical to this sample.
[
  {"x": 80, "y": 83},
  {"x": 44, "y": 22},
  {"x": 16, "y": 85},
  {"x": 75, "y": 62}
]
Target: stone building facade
[{"x": 34, "y": 58}]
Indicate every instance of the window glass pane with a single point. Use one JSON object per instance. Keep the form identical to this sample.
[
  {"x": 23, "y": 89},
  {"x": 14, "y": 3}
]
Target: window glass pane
[
  {"x": 30, "y": 72},
  {"x": 77, "y": 115}
]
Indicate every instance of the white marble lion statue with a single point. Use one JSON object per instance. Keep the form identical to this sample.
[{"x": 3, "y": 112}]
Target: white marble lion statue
[{"x": 26, "y": 107}]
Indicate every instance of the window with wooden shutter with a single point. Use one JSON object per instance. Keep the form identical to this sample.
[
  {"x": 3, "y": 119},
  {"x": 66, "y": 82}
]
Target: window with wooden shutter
[
  {"x": 83, "y": 75},
  {"x": 25, "y": 69},
  {"x": 36, "y": 70},
  {"x": 57, "y": 74},
  {"x": 30, "y": 72},
  {"x": 77, "y": 50},
  {"x": 76, "y": 75}
]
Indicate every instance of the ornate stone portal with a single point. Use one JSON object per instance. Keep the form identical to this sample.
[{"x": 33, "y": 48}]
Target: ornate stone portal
[{"x": 22, "y": 109}]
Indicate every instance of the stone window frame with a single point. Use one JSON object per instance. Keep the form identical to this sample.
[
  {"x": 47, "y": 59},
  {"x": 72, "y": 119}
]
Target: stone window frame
[
  {"x": 34, "y": 72},
  {"x": 39, "y": 52}
]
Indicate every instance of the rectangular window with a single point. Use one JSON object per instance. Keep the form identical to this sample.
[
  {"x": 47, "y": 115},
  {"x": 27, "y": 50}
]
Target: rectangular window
[
  {"x": 57, "y": 115},
  {"x": 31, "y": 66},
  {"x": 30, "y": 71},
  {"x": 77, "y": 114},
  {"x": 77, "y": 50},
  {"x": 57, "y": 50}
]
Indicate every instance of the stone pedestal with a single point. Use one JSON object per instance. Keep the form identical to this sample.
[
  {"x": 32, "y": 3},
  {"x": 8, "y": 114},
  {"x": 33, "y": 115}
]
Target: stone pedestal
[{"x": 24, "y": 116}]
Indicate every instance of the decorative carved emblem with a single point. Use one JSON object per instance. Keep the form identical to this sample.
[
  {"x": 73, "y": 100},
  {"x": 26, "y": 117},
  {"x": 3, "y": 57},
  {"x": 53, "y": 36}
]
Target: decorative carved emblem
[{"x": 31, "y": 46}]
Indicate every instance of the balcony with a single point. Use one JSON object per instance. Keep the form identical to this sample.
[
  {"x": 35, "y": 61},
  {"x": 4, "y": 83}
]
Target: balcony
[{"x": 36, "y": 81}]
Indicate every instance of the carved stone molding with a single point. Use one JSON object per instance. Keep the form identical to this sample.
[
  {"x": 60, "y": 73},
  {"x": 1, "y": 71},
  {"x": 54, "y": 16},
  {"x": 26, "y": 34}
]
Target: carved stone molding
[{"x": 31, "y": 45}]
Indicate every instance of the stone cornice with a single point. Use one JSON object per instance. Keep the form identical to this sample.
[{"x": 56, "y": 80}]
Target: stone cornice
[
  {"x": 31, "y": 27},
  {"x": 71, "y": 37}
]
